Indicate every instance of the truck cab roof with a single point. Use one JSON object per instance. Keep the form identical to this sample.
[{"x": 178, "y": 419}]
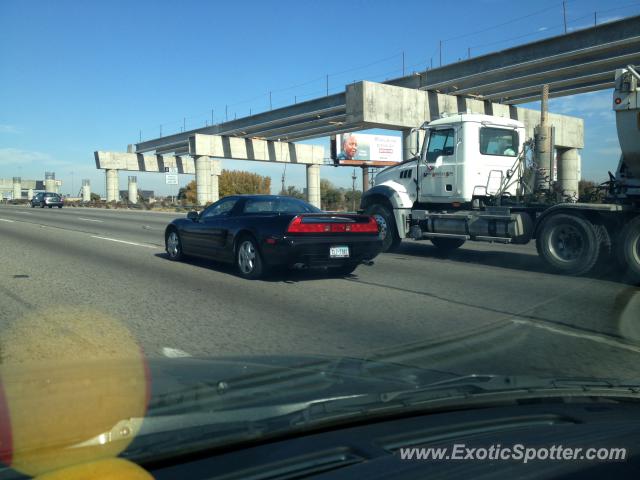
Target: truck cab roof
[{"x": 474, "y": 117}]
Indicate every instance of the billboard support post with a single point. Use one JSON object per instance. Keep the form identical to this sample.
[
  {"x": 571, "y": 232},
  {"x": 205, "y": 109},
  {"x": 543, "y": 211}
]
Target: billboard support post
[{"x": 365, "y": 178}]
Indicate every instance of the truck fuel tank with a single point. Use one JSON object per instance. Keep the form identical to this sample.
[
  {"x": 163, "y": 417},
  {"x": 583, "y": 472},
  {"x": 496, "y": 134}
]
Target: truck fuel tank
[{"x": 514, "y": 227}]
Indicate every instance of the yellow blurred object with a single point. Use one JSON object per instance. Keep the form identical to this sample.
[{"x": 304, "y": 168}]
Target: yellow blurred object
[
  {"x": 75, "y": 387},
  {"x": 110, "y": 469}
]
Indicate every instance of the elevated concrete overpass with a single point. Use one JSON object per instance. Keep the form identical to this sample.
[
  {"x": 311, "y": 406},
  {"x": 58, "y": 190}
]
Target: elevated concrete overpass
[
  {"x": 367, "y": 105},
  {"x": 493, "y": 84},
  {"x": 577, "y": 62},
  {"x": 204, "y": 153}
]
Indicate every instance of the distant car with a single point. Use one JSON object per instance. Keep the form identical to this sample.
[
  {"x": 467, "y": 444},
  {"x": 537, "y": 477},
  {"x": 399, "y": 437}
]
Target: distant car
[
  {"x": 47, "y": 199},
  {"x": 256, "y": 232}
]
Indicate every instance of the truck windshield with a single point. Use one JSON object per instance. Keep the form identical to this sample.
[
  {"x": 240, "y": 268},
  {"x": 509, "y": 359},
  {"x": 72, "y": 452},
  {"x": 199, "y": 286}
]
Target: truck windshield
[
  {"x": 498, "y": 141},
  {"x": 440, "y": 143}
]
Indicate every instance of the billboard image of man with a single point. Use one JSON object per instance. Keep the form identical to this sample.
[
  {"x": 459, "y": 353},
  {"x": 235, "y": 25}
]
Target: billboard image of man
[{"x": 349, "y": 147}]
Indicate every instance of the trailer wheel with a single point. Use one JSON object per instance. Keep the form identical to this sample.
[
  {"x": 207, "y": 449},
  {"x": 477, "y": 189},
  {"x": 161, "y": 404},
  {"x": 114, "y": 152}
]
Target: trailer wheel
[
  {"x": 447, "y": 244},
  {"x": 569, "y": 244},
  {"x": 387, "y": 223},
  {"x": 629, "y": 249}
]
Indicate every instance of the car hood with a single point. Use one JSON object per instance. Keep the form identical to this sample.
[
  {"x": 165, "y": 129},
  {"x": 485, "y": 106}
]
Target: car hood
[
  {"x": 140, "y": 406},
  {"x": 203, "y": 403}
]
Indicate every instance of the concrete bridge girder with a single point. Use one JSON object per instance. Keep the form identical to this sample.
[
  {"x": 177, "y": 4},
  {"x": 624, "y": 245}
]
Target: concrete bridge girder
[
  {"x": 205, "y": 152},
  {"x": 377, "y": 105}
]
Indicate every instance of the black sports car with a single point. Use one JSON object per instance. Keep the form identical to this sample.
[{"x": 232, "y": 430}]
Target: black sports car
[{"x": 260, "y": 231}]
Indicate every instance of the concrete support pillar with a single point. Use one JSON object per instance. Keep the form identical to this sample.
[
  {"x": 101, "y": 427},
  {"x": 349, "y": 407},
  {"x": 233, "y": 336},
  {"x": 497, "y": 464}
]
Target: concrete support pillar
[
  {"x": 86, "y": 191},
  {"x": 50, "y": 182},
  {"x": 113, "y": 188},
  {"x": 313, "y": 185},
  {"x": 216, "y": 170},
  {"x": 133, "y": 189},
  {"x": 203, "y": 179},
  {"x": 17, "y": 188},
  {"x": 409, "y": 144},
  {"x": 543, "y": 155},
  {"x": 30, "y": 194},
  {"x": 568, "y": 173}
]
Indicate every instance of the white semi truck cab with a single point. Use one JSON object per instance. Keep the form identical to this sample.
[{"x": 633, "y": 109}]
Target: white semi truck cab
[
  {"x": 476, "y": 179},
  {"x": 465, "y": 156}
]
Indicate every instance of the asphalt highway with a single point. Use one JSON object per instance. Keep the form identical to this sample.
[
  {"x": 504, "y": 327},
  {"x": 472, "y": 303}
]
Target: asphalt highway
[{"x": 484, "y": 309}]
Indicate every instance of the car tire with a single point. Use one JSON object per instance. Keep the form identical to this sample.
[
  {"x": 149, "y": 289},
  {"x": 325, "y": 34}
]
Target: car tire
[
  {"x": 42, "y": 205},
  {"x": 50, "y": 206},
  {"x": 59, "y": 206},
  {"x": 387, "y": 223},
  {"x": 628, "y": 249},
  {"x": 343, "y": 270},
  {"x": 569, "y": 244},
  {"x": 33, "y": 205},
  {"x": 447, "y": 245},
  {"x": 248, "y": 259},
  {"x": 173, "y": 245}
]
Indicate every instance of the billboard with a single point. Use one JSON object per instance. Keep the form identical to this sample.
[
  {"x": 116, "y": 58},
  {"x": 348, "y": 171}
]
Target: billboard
[{"x": 367, "y": 149}]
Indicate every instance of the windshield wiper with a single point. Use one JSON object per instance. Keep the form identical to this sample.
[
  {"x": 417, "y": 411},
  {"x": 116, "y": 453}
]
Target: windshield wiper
[
  {"x": 278, "y": 385},
  {"x": 470, "y": 391},
  {"x": 476, "y": 390},
  {"x": 236, "y": 425}
]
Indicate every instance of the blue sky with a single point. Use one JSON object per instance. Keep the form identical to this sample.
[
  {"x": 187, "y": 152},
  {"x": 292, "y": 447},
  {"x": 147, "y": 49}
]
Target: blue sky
[{"x": 79, "y": 76}]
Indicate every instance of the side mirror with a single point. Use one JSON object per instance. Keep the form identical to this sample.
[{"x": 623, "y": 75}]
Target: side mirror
[
  {"x": 193, "y": 216},
  {"x": 413, "y": 134}
]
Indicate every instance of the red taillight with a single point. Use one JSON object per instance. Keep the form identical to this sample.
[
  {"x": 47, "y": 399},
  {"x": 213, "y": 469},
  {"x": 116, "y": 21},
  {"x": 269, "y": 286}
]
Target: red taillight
[
  {"x": 296, "y": 226},
  {"x": 370, "y": 227}
]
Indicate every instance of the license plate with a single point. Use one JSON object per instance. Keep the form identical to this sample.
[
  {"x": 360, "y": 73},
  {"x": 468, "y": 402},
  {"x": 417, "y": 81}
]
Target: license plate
[{"x": 338, "y": 252}]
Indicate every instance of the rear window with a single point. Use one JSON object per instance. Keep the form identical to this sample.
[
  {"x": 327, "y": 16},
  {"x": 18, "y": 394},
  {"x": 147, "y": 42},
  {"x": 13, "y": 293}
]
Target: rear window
[
  {"x": 498, "y": 141},
  {"x": 52, "y": 195},
  {"x": 278, "y": 205}
]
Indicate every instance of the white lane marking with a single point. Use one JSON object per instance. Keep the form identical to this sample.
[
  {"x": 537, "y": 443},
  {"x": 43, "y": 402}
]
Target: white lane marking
[
  {"x": 174, "y": 353},
  {"x": 585, "y": 336},
  {"x": 6, "y": 220},
  {"x": 90, "y": 220},
  {"x": 123, "y": 241}
]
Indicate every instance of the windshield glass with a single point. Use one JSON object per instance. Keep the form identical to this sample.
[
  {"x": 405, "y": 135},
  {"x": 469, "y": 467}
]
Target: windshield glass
[
  {"x": 441, "y": 142},
  {"x": 227, "y": 225}
]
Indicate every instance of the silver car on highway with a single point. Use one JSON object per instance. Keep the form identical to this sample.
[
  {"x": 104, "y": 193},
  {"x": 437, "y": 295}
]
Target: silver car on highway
[{"x": 47, "y": 199}]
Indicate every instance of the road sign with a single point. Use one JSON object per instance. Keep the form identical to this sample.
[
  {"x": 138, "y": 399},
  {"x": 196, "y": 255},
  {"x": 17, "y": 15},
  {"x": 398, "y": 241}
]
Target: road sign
[
  {"x": 172, "y": 170},
  {"x": 171, "y": 179}
]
